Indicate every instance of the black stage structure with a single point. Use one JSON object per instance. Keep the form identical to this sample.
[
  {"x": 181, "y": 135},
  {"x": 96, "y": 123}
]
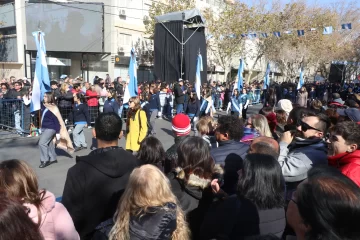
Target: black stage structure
[{"x": 179, "y": 37}]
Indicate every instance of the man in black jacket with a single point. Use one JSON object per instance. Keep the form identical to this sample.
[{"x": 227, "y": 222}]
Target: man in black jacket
[
  {"x": 94, "y": 185},
  {"x": 231, "y": 151},
  {"x": 179, "y": 96}
]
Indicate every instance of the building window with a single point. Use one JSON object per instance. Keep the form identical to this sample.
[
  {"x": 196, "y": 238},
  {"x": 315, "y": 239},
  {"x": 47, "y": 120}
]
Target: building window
[{"x": 124, "y": 39}]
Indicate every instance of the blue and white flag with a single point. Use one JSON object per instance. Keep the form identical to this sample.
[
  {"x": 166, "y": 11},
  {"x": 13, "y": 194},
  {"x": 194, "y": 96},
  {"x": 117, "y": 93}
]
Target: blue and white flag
[
  {"x": 267, "y": 77},
  {"x": 264, "y": 35},
  {"x": 131, "y": 89},
  {"x": 300, "y": 33},
  {"x": 328, "y": 30},
  {"x": 346, "y": 26},
  {"x": 252, "y": 35},
  {"x": 199, "y": 68},
  {"x": 240, "y": 83},
  {"x": 41, "y": 83},
  {"x": 277, "y": 34},
  {"x": 301, "y": 79},
  {"x": 243, "y": 35}
]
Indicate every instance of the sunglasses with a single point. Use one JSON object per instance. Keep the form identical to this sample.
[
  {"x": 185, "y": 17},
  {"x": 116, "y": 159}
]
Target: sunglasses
[{"x": 305, "y": 126}]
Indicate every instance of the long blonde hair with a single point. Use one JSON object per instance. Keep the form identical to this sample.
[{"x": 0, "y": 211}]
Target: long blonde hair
[
  {"x": 18, "y": 180},
  {"x": 147, "y": 187},
  {"x": 63, "y": 88},
  {"x": 260, "y": 123}
]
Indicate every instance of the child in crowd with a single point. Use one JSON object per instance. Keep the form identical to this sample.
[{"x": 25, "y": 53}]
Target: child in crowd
[{"x": 205, "y": 127}]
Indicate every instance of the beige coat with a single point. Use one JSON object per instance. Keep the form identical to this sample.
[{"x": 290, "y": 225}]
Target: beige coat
[{"x": 302, "y": 99}]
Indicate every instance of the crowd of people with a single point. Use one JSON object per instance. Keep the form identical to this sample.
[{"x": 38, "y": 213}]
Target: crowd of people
[{"x": 291, "y": 171}]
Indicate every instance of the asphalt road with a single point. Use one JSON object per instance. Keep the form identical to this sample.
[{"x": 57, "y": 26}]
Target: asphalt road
[{"x": 53, "y": 177}]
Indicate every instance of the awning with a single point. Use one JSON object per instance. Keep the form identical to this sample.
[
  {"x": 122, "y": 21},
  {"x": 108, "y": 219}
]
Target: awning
[{"x": 191, "y": 16}]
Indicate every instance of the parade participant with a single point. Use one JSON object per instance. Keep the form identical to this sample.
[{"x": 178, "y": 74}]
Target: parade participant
[
  {"x": 244, "y": 103},
  {"x": 81, "y": 119},
  {"x": 111, "y": 104},
  {"x": 52, "y": 125},
  {"x": 136, "y": 125}
]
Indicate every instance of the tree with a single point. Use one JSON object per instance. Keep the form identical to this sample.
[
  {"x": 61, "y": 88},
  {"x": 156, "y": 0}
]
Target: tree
[{"x": 162, "y": 7}]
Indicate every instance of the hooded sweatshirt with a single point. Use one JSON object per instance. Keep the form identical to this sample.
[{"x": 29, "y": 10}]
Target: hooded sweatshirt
[
  {"x": 56, "y": 223},
  {"x": 348, "y": 164},
  {"x": 94, "y": 186}
]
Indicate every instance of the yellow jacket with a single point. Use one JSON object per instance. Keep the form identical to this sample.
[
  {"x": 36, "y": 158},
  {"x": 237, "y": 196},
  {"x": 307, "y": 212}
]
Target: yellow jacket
[{"x": 135, "y": 135}]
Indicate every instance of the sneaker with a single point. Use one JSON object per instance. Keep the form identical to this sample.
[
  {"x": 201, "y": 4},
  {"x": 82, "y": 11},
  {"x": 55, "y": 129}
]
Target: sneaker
[
  {"x": 77, "y": 149},
  {"x": 89, "y": 127}
]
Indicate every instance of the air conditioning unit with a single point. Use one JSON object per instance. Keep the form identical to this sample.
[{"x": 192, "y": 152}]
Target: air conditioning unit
[
  {"x": 120, "y": 49},
  {"x": 122, "y": 13}
]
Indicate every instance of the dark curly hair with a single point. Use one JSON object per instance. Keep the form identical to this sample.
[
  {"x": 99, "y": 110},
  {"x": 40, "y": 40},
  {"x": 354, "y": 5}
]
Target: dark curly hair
[{"x": 232, "y": 126}]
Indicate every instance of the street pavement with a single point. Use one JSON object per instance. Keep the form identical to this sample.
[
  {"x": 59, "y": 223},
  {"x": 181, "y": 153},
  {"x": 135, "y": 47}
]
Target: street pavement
[{"x": 53, "y": 177}]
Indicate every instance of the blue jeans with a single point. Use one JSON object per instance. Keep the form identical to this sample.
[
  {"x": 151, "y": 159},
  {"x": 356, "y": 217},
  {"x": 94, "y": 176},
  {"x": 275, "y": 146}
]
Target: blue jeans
[{"x": 179, "y": 108}]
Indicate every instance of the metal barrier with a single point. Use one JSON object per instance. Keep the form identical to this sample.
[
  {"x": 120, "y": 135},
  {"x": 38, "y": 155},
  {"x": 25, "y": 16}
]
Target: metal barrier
[{"x": 14, "y": 116}]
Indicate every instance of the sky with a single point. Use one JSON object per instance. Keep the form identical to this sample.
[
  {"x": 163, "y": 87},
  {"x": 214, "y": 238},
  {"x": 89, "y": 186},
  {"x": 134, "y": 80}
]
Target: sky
[{"x": 312, "y": 2}]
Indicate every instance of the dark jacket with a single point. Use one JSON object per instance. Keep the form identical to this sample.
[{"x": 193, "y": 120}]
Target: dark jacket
[
  {"x": 80, "y": 114},
  {"x": 179, "y": 94},
  {"x": 154, "y": 102},
  {"x": 237, "y": 218},
  {"x": 193, "y": 107},
  {"x": 220, "y": 154},
  {"x": 13, "y": 94},
  {"x": 111, "y": 105},
  {"x": 56, "y": 93},
  {"x": 158, "y": 223},
  {"x": 171, "y": 155},
  {"x": 94, "y": 186},
  {"x": 65, "y": 100},
  {"x": 49, "y": 120}
]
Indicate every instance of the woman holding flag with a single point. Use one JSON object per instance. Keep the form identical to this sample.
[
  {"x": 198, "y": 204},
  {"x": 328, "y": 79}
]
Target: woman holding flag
[{"x": 244, "y": 103}]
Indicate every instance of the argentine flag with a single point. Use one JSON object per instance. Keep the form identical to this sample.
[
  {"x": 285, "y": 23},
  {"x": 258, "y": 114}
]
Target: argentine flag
[
  {"x": 240, "y": 83},
  {"x": 41, "y": 83},
  {"x": 301, "y": 79},
  {"x": 199, "y": 68},
  {"x": 267, "y": 77},
  {"x": 131, "y": 89}
]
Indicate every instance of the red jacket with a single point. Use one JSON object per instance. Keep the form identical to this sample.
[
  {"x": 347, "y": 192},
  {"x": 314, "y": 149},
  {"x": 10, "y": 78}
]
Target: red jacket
[
  {"x": 348, "y": 164},
  {"x": 92, "y": 101}
]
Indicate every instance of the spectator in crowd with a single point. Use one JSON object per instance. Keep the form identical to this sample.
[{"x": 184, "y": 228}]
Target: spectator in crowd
[
  {"x": 260, "y": 124},
  {"x": 103, "y": 173},
  {"x": 286, "y": 105},
  {"x": 111, "y": 104},
  {"x": 316, "y": 106},
  {"x": 256, "y": 209},
  {"x": 281, "y": 119},
  {"x": 55, "y": 89},
  {"x": 15, "y": 105},
  {"x": 103, "y": 94},
  {"x": 154, "y": 108},
  {"x": 18, "y": 181},
  {"x": 136, "y": 125},
  {"x": 179, "y": 96},
  {"x": 228, "y": 133},
  {"x": 14, "y": 222},
  {"x": 265, "y": 145},
  {"x": 76, "y": 88},
  {"x": 325, "y": 206},
  {"x": 344, "y": 153},
  {"x": 163, "y": 98},
  {"x": 152, "y": 152},
  {"x": 93, "y": 103},
  {"x": 191, "y": 177},
  {"x": 181, "y": 129},
  {"x": 350, "y": 114},
  {"x": 148, "y": 209},
  {"x": 270, "y": 98},
  {"x": 302, "y": 97},
  {"x": 205, "y": 126},
  {"x": 81, "y": 119},
  {"x": 305, "y": 148},
  {"x": 65, "y": 101}
]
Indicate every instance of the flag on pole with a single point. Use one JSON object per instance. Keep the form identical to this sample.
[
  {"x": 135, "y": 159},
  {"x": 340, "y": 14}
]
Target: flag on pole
[
  {"x": 346, "y": 26},
  {"x": 267, "y": 77},
  {"x": 243, "y": 35},
  {"x": 199, "y": 68},
  {"x": 328, "y": 30},
  {"x": 131, "y": 89},
  {"x": 301, "y": 78},
  {"x": 240, "y": 83},
  {"x": 264, "y": 35},
  {"x": 41, "y": 83}
]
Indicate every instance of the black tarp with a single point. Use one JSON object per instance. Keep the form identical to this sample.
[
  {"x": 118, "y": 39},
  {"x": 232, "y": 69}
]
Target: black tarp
[{"x": 167, "y": 58}]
